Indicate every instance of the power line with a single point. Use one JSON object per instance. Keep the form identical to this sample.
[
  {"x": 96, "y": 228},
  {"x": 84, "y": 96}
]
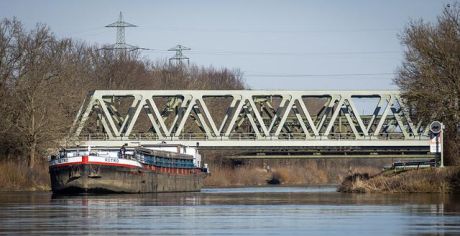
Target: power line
[
  {"x": 293, "y": 53},
  {"x": 317, "y": 75},
  {"x": 93, "y": 30},
  {"x": 239, "y": 30},
  {"x": 280, "y": 53}
]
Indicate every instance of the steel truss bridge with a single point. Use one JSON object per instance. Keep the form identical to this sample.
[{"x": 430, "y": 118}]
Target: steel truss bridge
[{"x": 271, "y": 123}]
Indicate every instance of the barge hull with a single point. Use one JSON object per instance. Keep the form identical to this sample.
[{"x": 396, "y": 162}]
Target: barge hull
[{"x": 92, "y": 178}]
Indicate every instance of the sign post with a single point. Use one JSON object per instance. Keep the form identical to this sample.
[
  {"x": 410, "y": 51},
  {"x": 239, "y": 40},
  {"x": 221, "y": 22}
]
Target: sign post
[
  {"x": 442, "y": 147},
  {"x": 437, "y": 140}
]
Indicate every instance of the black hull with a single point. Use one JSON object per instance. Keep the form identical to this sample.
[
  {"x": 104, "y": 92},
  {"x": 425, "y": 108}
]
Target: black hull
[{"x": 94, "y": 178}]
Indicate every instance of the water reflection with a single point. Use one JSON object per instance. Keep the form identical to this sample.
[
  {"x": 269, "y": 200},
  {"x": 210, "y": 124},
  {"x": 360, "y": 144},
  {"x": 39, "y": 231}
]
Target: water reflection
[{"x": 257, "y": 211}]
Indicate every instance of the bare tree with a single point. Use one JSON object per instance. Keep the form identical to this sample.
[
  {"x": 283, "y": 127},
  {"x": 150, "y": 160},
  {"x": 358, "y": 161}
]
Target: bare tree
[
  {"x": 43, "y": 80},
  {"x": 430, "y": 74},
  {"x": 35, "y": 70},
  {"x": 33, "y": 104}
]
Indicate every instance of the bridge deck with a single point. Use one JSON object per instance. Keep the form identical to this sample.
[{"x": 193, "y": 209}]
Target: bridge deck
[{"x": 250, "y": 119}]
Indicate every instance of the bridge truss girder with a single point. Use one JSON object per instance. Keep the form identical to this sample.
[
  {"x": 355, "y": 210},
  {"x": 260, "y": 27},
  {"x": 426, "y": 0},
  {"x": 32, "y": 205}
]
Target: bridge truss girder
[{"x": 287, "y": 119}]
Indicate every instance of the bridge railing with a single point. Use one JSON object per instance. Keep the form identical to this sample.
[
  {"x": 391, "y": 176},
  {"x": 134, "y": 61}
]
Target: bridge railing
[{"x": 246, "y": 136}]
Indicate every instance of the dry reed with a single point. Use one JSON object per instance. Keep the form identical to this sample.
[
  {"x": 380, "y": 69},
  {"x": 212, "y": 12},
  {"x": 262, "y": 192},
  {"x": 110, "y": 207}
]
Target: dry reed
[
  {"x": 307, "y": 172},
  {"x": 16, "y": 176},
  {"x": 432, "y": 180}
]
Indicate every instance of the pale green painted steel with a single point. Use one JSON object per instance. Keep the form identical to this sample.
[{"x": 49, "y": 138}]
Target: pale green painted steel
[
  {"x": 281, "y": 126},
  {"x": 379, "y": 156}
]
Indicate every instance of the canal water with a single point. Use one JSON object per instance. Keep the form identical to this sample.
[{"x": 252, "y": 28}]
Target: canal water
[{"x": 232, "y": 211}]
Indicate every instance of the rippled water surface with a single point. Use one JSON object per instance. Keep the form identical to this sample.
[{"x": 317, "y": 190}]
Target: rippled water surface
[{"x": 240, "y": 211}]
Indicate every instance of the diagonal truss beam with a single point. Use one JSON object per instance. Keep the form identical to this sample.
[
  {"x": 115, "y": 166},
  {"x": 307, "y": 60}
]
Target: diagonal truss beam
[{"x": 289, "y": 115}]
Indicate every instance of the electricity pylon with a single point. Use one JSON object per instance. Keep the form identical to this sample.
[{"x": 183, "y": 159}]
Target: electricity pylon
[
  {"x": 121, "y": 44},
  {"x": 179, "y": 56}
]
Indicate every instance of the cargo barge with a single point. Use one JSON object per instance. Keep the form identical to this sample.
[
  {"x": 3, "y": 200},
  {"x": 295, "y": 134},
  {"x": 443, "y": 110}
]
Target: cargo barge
[{"x": 162, "y": 168}]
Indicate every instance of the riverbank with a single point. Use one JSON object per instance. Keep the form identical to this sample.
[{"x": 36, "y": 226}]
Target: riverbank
[
  {"x": 430, "y": 180},
  {"x": 16, "y": 176},
  {"x": 293, "y": 173}
]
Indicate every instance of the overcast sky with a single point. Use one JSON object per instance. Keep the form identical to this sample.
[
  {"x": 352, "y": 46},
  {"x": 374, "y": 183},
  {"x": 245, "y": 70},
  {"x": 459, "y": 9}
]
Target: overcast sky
[{"x": 301, "y": 45}]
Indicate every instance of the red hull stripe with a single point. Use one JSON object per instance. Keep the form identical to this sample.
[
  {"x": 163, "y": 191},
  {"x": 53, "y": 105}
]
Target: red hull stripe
[
  {"x": 185, "y": 171},
  {"x": 95, "y": 163}
]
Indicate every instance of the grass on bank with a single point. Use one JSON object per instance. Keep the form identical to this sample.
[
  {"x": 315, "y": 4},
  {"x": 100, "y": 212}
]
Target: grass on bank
[
  {"x": 308, "y": 173},
  {"x": 430, "y": 180},
  {"x": 16, "y": 176}
]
